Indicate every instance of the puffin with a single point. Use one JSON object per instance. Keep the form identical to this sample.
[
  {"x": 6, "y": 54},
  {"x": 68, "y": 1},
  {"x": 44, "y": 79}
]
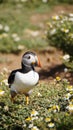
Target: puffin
[{"x": 23, "y": 80}]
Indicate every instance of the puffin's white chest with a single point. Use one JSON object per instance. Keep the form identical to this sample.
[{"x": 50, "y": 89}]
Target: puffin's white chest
[{"x": 25, "y": 82}]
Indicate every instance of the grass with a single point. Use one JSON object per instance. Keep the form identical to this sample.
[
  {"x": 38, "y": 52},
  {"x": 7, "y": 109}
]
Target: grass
[
  {"x": 18, "y": 19},
  {"x": 47, "y": 108},
  {"x": 17, "y": 16}
]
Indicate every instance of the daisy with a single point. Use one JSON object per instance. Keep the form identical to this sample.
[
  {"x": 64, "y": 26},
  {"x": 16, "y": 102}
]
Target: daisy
[
  {"x": 66, "y": 57},
  {"x": 56, "y": 108},
  {"x": 34, "y": 128},
  {"x": 34, "y": 113},
  {"x": 71, "y": 14},
  {"x": 51, "y": 125},
  {"x": 53, "y": 31},
  {"x": 67, "y": 96},
  {"x": 47, "y": 119},
  {"x": 20, "y": 47},
  {"x": 55, "y": 17},
  {"x": 6, "y": 108},
  {"x": 44, "y": 1},
  {"x": 69, "y": 88},
  {"x": 4, "y": 35},
  {"x": 17, "y": 39},
  {"x": 14, "y": 35},
  {"x": 6, "y": 28},
  {"x": 5, "y": 81},
  {"x": 30, "y": 126},
  {"x": 64, "y": 30},
  {"x": 70, "y": 108},
  {"x": 2, "y": 92},
  {"x": 34, "y": 118}
]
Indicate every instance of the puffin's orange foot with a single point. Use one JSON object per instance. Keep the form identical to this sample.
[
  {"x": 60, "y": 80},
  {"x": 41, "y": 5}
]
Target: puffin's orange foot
[{"x": 27, "y": 100}]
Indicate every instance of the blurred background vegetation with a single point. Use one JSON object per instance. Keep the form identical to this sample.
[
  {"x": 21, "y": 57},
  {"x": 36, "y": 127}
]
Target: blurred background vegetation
[
  {"x": 17, "y": 30},
  {"x": 23, "y": 25}
]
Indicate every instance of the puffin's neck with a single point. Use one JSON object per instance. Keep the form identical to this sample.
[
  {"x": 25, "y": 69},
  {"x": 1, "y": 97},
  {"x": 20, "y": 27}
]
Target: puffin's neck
[{"x": 27, "y": 68}]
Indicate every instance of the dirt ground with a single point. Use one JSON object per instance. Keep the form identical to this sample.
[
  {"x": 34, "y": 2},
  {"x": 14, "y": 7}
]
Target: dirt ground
[
  {"x": 50, "y": 57},
  {"x": 51, "y": 60}
]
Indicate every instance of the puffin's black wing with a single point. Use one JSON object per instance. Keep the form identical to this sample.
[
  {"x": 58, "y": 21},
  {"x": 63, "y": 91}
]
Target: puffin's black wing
[{"x": 12, "y": 76}]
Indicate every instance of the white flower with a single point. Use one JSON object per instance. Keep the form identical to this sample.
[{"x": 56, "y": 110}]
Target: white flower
[
  {"x": 34, "y": 113},
  {"x": 71, "y": 19},
  {"x": 65, "y": 70},
  {"x": 66, "y": 57},
  {"x": 20, "y": 47},
  {"x": 23, "y": 0},
  {"x": 55, "y": 108},
  {"x": 34, "y": 118},
  {"x": 6, "y": 108},
  {"x": 5, "y": 81},
  {"x": 1, "y": 26},
  {"x": 51, "y": 124},
  {"x": 71, "y": 35},
  {"x": 61, "y": 21},
  {"x": 67, "y": 96},
  {"x": 47, "y": 119},
  {"x": 24, "y": 125},
  {"x": 2, "y": 92},
  {"x": 34, "y": 33},
  {"x": 35, "y": 128},
  {"x": 44, "y": 1},
  {"x": 69, "y": 88},
  {"x": 30, "y": 126},
  {"x": 53, "y": 31},
  {"x": 14, "y": 35},
  {"x": 71, "y": 14},
  {"x": 6, "y": 28},
  {"x": 39, "y": 94},
  {"x": 70, "y": 107},
  {"x": 64, "y": 30},
  {"x": 55, "y": 17},
  {"x": 4, "y": 35},
  {"x": 17, "y": 39}
]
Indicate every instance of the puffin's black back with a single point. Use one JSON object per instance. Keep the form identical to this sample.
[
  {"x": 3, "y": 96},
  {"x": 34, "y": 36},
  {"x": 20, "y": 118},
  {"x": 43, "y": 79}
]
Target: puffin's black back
[{"x": 12, "y": 76}]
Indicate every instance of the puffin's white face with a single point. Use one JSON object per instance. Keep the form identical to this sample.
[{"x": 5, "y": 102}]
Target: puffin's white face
[{"x": 30, "y": 59}]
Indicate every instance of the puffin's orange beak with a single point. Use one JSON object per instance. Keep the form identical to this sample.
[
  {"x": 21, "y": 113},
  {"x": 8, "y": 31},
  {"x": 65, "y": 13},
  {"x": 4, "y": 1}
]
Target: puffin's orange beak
[{"x": 39, "y": 63}]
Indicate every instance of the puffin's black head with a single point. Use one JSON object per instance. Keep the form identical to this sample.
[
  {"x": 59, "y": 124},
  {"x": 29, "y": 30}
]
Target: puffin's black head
[{"x": 30, "y": 59}]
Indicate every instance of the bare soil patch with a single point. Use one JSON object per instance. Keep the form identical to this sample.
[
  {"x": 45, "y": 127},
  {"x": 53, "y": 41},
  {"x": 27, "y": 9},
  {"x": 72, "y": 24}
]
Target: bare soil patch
[{"x": 51, "y": 64}]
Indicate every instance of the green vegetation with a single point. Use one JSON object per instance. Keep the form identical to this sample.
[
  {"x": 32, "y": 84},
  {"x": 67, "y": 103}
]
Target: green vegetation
[
  {"x": 60, "y": 34},
  {"x": 23, "y": 32},
  {"x": 50, "y": 107},
  {"x": 17, "y": 30}
]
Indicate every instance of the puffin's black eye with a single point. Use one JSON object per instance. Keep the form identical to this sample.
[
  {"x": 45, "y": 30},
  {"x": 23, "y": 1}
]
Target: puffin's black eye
[{"x": 29, "y": 57}]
